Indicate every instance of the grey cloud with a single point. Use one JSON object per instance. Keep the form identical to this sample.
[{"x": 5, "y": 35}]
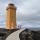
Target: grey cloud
[{"x": 29, "y": 11}]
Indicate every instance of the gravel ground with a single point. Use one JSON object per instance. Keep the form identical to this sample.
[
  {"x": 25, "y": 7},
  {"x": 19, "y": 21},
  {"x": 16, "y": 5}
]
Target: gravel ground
[{"x": 14, "y": 35}]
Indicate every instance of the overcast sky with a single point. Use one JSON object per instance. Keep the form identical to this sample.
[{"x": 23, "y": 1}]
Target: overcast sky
[{"x": 27, "y": 13}]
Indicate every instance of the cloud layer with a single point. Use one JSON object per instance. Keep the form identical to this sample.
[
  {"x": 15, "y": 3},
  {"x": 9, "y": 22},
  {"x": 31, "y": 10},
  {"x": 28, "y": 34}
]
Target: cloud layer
[{"x": 28, "y": 11}]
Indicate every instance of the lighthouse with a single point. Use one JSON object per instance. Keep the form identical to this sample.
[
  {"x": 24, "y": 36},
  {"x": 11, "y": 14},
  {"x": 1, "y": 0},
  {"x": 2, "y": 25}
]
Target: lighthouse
[{"x": 11, "y": 16}]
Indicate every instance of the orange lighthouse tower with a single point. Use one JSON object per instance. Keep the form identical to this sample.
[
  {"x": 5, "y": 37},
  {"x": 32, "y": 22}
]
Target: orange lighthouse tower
[{"x": 11, "y": 16}]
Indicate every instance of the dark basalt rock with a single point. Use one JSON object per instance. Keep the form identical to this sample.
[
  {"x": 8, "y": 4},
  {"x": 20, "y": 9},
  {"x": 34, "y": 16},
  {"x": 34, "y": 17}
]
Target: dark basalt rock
[
  {"x": 25, "y": 35},
  {"x": 29, "y": 35}
]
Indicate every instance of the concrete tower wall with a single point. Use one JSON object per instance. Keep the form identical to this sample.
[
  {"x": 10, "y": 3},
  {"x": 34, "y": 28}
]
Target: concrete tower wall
[{"x": 11, "y": 17}]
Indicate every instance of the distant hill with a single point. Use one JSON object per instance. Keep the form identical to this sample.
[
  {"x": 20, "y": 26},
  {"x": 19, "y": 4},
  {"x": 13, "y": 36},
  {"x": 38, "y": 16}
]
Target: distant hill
[{"x": 6, "y": 30}]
